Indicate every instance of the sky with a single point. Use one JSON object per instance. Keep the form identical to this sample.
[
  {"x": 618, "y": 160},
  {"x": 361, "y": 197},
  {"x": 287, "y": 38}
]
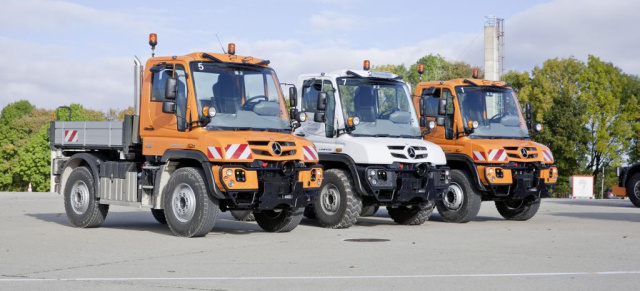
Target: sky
[{"x": 61, "y": 52}]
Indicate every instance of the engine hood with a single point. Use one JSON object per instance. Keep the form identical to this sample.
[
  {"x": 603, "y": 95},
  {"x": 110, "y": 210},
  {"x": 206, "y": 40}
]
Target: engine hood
[
  {"x": 246, "y": 146},
  {"x": 381, "y": 150},
  {"x": 508, "y": 150}
]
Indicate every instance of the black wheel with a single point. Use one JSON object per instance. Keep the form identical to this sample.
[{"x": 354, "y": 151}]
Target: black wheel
[
  {"x": 369, "y": 210},
  {"x": 189, "y": 209},
  {"x": 633, "y": 189},
  {"x": 461, "y": 202},
  {"x": 309, "y": 212},
  {"x": 519, "y": 210},
  {"x": 80, "y": 203},
  {"x": 243, "y": 215},
  {"x": 338, "y": 205},
  {"x": 158, "y": 214},
  {"x": 414, "y": 215},
  {"x": 283, "y": 220}
]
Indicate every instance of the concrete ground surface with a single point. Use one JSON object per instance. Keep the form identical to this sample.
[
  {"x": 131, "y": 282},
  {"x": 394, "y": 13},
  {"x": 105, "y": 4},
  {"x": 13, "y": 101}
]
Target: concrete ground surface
[{"x": 569, "y": 245}]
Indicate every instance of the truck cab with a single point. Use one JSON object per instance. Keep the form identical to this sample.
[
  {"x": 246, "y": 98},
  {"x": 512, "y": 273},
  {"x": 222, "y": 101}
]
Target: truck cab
[
  {"x": 628, "y": 183},
  {"x": 210, "y": 132},
  {"x": 366, "y": 131},
  {"x": 487, "y": 141}
]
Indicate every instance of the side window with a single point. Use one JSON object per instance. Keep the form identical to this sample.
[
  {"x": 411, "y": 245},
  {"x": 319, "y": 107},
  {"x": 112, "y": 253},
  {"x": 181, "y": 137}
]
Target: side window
[
  {"x": 159, "y": 82},
  {"x": 310, "y": 96},
  {"x": 432, "y": 103},
  {"x": 330, "y": 113},
  {"x": 181, "y": 98},
  {"x": 448, "y": 119}
]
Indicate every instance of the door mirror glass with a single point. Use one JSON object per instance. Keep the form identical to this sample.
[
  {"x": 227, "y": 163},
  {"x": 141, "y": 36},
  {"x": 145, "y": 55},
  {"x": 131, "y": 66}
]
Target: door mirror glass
[
  {"x": 322, "y": 101},
  {"x": 169, "y": 107},
  {"x": 442, "y": 107},
  {"x": 171, "y": 89},
  {"x": 319, "y": 117},
  {"x": 440, "y": 120},
  {"x": 293, "y": 96}
]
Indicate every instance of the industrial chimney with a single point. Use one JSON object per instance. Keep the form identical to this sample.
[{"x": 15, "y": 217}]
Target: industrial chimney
[{"x": 493, "y": 47}]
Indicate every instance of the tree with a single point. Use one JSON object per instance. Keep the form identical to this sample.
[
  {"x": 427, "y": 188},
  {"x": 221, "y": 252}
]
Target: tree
[
  {"x": 34, "y": 162},
  {"x": 11, "y": 140}
]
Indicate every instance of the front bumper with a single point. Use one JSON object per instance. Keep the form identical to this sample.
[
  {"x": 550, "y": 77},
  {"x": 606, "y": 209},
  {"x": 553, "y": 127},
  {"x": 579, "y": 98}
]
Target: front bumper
[
  {"x": 406, "y": 185},
  {"x": 268, "y": 187},
  {"x": 519, "y": 181}
]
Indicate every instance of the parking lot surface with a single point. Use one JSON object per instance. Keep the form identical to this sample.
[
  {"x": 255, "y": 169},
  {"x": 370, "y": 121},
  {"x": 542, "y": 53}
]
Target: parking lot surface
[{"x": 569, "y": 245}]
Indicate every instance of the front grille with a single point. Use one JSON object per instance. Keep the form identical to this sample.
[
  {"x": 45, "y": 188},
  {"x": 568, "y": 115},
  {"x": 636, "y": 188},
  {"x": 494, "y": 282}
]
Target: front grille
[{"x": 263, "y": 148}]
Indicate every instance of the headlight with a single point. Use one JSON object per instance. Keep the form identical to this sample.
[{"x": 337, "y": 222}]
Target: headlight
[
  {"x": 475, "y": 124},
  {"x": 538, "y": 127},
  {"x": 229, "y": 172},
  {"x": 302, "y": 117},
  {"x": 212, "y": 112},
  {"x": 356, "y": 120},
  {"x": 431, "y": 124},
  {"x": 372, "y": 173}
]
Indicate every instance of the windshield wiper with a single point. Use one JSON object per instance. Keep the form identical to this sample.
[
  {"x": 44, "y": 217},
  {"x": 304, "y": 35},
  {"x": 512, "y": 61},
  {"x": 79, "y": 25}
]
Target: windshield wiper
[{"x": 208, "y": 56}]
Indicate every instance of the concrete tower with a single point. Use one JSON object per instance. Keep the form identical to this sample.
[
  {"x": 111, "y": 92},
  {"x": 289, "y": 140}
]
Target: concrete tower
[{"x": 493, "y": 47}]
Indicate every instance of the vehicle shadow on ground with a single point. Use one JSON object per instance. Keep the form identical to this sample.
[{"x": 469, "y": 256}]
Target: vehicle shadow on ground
[
  {"x": 140, "y": 221},
  {"x": 597, "y": 202},
  {"x": 628, "y": 217}
]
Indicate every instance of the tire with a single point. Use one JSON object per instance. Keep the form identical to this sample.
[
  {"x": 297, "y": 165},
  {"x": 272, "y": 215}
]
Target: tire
[
  {"x": 279, "y": 221},
  {"x": 338, "y": 205},
  {"x": 415, "y": 215},
  {"x": 80, "y": 203},
  {"x": 369, "y": 210},
  {"x": 189, "y": 209},
  {"x": 243, "y": 215},
  {"x": 461, "y": 202},
  {"x": 518, "y": 210},
  {"x": 309, "y": 212},
  {"x": 633, "y": 189},
  {"x": 158, "y": 214}
]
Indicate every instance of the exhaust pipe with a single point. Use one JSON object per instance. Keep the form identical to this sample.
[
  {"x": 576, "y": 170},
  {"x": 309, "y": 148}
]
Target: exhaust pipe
[{"x": 137, "y": 94}]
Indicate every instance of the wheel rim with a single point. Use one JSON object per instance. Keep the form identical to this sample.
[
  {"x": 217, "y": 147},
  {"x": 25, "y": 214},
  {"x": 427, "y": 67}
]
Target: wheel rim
[
  {"x": 330, "y": 199},
  {"x": 636, "y": 190},
  {"x": 79, "y": 197},
  {"x": 184, "y": 202},
  {"x": 453, "y": 197}
]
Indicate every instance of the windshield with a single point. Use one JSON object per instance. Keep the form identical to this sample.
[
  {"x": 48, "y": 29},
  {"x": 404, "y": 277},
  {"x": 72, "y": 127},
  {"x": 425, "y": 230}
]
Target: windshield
[
  {"x": 495, "y": 109},
  {"x": 245, "y": 97},
  {"x": 383, "y": 107}
]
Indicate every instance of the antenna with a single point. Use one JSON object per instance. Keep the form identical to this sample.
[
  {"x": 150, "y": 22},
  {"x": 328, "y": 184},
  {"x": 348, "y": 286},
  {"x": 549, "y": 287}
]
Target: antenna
[{"x": 222, "y": 47}]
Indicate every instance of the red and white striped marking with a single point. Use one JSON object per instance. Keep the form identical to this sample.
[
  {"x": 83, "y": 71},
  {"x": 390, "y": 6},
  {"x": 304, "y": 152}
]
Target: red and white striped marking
[
  {"x": 497, "y": 155},
  {"x": 214, "y": 153},
  {"x": 548, "y": 157},
  {"x": 310, "y": 152},
  {"x": 71, "y": 136},
  {"x": 238, "y": 152},
  {"x": 479, "y": 156}
]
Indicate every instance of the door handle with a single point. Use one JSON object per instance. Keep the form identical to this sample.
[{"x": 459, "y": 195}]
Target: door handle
[{"x": 149, "y": 128}]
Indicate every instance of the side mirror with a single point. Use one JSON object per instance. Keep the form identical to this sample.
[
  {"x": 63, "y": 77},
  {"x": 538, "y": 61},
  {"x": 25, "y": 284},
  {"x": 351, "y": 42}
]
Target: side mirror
[
  {"x": 423, "y": 107},
  {"x": 169, "y": 107},
  {"x": 293, "y": 96},
  {"x": 293, "y": 112},
  {"x": 528, "y": 110},
  {"x": 442, "y": 107},
  {"x": 423, "y": 121},
  {"x": 319, "y": 117},
  {"x": 171, "y": 89},
  {"x": 440, "y": 120},
  {"x": 322, "y": 101}
]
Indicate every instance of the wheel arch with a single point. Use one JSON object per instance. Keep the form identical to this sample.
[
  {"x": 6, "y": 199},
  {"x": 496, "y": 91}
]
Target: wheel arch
[
  {"x": 89, "y": 160},
  {"x": 176, "y": 159},
  {"x": 346, "y": 163},
  {"x": 462, "y": 162}
]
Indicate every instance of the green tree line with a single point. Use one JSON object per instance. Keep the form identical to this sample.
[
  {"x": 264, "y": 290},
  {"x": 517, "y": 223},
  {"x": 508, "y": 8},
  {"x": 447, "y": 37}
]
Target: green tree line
[
  {"x": 589, "y": 110},
  {"x": 24, "y": 142}
]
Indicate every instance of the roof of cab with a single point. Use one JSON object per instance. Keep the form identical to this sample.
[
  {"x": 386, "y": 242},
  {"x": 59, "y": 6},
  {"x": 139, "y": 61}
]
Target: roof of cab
[
  {"x": 225, "y": 58},
  {"x": 464, "y": 82}
]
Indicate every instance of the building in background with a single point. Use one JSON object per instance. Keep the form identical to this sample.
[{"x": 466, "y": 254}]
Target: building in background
[{"x": 493, "y": 48}]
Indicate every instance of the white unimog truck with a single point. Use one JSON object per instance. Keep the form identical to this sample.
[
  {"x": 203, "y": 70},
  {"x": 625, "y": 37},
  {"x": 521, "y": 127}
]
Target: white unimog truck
[{"x": 368, "y": 138}]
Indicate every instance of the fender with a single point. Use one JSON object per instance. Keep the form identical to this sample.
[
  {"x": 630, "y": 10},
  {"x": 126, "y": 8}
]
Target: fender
[
  {"x": 93, "y": 160},
  {"x": 194, "y": 156},
  {"x": 470, "y": 164},
  {"x": 347, "y": 161},
  {"x": 628, "y": 172}
]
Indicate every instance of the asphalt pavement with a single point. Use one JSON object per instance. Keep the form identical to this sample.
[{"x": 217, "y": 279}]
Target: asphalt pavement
[{"x": 568, "y": 245}]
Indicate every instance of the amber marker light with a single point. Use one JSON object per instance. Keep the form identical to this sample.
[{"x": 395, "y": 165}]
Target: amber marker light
[
  {"x": 420, "y": 69},
  {"x": 474, "y": 73},
  {"x": 367, "y": 65},
  {"x": 231, "y": 49},
  {"x": 153, "y": 39}
]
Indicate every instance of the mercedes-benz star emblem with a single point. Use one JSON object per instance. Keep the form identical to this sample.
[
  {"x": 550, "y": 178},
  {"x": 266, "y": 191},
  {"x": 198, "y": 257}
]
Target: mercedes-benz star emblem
[
  {"x": 276, "y": 148},
  {"x": 524, "y": 152},
  {"x": 411, "y": 152}
]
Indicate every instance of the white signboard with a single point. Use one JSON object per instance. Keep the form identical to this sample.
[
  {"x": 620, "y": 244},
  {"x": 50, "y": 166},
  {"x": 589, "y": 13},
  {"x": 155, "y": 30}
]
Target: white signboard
[{"x": 582, "y": 187}]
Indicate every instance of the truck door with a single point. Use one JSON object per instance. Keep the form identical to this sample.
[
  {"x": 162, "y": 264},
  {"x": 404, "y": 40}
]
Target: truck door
[
  {"x": 320, "y": 133},
  {"x": 442, "y": 135},
  {"x": 166, "y": 130}
]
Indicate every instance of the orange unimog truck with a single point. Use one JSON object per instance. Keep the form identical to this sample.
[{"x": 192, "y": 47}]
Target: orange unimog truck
[
  {"x": 483, "y": 132},
  {"x": 210, "y": 132}
]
